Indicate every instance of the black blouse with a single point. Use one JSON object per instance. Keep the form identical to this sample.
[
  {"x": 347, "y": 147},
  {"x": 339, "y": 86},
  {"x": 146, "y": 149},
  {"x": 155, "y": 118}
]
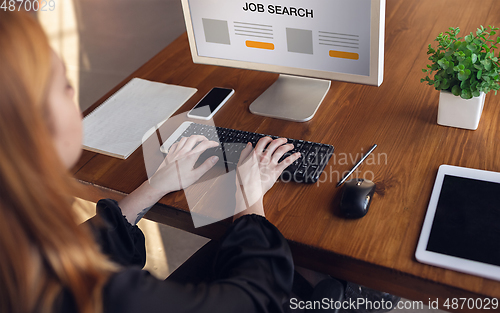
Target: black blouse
[{"x": 252, "y": 270}]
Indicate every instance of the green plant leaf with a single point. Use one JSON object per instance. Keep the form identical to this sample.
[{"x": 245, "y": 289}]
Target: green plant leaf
[
  {"x": 474, "y": 58},
  {"x": 465, "y": 85},
  {"x": 472, "y": 47},
  {"x": 445, "y": 84},
  {"x": 462, "y": 75},
  {"x": 487, "y": 64},
  {"x": 466, "y": 94},
  {"x": 479, "y": 74},
  {"x": 456, "y": 90},
  {"x": 442, "y": 63}
]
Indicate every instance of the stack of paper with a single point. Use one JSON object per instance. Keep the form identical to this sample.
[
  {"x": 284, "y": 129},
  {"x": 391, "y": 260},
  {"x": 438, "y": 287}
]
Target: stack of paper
[{"x": 117, "y": 126}]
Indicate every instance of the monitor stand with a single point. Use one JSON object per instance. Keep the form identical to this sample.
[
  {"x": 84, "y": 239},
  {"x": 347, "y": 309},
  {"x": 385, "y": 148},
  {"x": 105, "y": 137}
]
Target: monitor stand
[{"x": 292, "y": 98}]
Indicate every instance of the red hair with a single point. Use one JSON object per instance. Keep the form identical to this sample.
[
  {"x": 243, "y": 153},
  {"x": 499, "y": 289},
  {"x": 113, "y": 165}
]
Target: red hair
[{"x": 43, "y": 251}]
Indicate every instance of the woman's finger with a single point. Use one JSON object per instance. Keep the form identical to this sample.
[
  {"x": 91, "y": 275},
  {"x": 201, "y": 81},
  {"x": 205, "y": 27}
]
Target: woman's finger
[
  {"x": 261, "y": 144},
  {"x": 191, "y": 142},
  {"x": 272, "y": 148},
  {"x": 180, "y": 144},
  {"x": 203, "y": 146},
  {"x": 287, "y": 161},
  {"x": 280, "y": 152},
  {"x": 205, "y": 167},
  {"x": 172, "y": 148},
  {"x": 245, "y": 153}
]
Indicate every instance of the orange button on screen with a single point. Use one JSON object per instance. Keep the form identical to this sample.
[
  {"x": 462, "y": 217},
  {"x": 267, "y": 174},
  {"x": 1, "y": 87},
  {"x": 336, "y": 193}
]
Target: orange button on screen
[
  {"x": 344, "y": 55},
  {"x": 260, "y": 45}
]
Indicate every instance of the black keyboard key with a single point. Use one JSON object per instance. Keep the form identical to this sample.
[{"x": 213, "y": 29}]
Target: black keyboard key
[
  {"x": 311, "y": 174},
  {"x": 324, "y": 156},
  {"x": 289, "y": 172},
  {"x": 308, "y": 144},
  {"x": 301, "y": 170},
  {"x": 287, "y": 175},
  {"x": 312, "y": 156},
  {"x": 299, "y": 175}
]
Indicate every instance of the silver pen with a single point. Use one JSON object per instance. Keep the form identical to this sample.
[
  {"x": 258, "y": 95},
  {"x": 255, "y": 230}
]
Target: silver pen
[{"x": 356, "y": 166}]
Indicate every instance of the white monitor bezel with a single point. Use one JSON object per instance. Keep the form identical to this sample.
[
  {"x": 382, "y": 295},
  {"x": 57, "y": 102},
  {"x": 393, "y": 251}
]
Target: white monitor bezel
[{"x": 376, "y": 77}]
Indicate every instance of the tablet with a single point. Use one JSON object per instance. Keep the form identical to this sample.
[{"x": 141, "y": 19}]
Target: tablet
[{"x": 461, "y": 229}]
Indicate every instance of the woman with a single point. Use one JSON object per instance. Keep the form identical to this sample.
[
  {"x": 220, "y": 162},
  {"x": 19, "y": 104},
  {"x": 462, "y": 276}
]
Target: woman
[{"x": 50, "y": 264}]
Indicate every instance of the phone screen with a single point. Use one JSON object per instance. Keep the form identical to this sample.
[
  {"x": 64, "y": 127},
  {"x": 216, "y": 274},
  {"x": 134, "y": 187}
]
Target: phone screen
[{"x": 210, "y": 102}]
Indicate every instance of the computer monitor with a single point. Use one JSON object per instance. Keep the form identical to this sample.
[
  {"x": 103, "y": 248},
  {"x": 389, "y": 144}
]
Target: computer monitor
[{"x": 308, "y": 42}]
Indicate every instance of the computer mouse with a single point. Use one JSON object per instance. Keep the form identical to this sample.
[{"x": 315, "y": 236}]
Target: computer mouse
[{"x": 357, "y": 195}]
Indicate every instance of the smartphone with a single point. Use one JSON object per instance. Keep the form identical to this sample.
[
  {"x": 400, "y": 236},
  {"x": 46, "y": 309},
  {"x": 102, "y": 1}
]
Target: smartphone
[{"x": 211, "y": 103}]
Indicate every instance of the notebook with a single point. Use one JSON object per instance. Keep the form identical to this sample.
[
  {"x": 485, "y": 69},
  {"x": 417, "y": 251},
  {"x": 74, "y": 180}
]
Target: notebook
[{"x": 117, "y": 126}]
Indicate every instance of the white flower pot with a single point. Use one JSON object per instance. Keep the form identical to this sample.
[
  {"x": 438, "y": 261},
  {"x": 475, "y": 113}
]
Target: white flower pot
[{"x": 457, "y": 112}]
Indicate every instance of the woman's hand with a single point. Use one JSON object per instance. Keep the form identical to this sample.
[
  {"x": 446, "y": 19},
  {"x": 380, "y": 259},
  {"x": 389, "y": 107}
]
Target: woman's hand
[
  {"x": 257, "y": 171},
  {"x": 177, "y": 170},
  {"x": 175, "y": 173}
]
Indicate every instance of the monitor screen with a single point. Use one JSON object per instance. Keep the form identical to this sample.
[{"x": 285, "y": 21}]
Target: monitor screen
[
  {"x": 320, "y": 37},
  {"x": 325, "y": 39}
]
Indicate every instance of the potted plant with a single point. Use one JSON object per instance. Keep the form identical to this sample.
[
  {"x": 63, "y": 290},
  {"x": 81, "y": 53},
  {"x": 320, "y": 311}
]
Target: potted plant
[{"x": 465, "y": 70}]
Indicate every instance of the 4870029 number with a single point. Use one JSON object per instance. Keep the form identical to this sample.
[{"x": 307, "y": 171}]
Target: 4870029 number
[
  {"x": 28, "y": 5},
  {"x": 470, "y": 303}
]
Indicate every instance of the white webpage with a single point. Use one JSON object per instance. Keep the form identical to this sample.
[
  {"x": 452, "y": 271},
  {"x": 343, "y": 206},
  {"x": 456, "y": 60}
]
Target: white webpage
[{"x": 324, "y": 35}]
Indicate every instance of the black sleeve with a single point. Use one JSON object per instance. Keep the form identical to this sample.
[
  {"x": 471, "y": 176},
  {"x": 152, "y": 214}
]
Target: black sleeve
[
  {"x": 118, "y": 239},
  {"x": 253, "y": 273}
]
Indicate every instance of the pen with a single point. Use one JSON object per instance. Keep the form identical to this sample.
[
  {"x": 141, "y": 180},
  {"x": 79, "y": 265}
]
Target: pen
[{"x": 356, "y": 166}]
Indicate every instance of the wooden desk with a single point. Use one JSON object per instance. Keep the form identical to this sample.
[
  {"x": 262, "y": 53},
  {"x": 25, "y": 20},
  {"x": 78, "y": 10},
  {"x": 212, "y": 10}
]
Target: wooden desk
[{"x": 400, "y": 116}]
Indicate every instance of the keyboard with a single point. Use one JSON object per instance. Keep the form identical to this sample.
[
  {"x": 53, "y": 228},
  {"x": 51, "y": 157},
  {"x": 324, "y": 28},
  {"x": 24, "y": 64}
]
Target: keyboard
[{"x": 307, "y": 169}]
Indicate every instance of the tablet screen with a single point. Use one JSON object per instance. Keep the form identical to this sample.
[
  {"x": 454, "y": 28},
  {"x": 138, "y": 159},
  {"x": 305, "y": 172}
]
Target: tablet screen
[{"x": 467, "y": 220}]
